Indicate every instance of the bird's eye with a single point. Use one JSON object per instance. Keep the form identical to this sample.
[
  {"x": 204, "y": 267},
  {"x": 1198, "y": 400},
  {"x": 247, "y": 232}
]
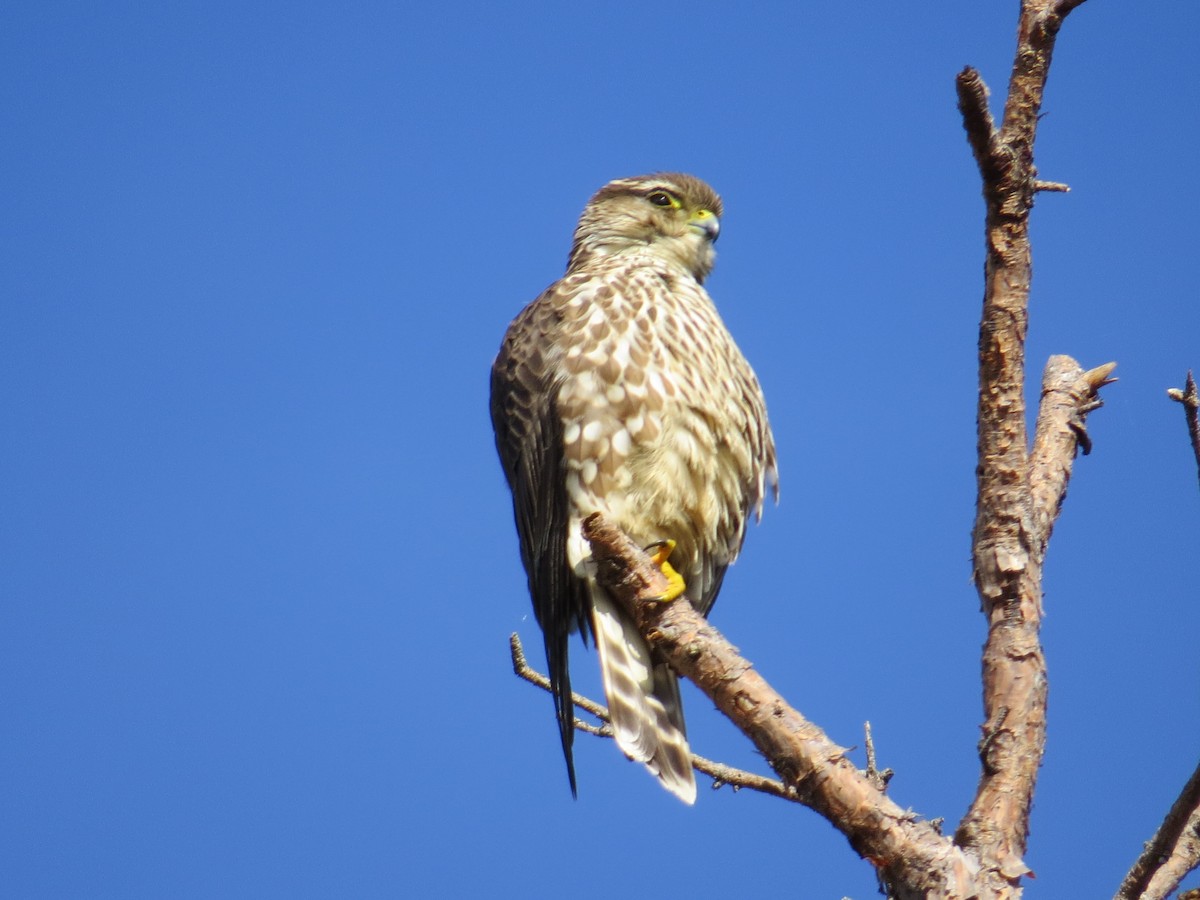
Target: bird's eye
[{"x": 660, "y": 198}]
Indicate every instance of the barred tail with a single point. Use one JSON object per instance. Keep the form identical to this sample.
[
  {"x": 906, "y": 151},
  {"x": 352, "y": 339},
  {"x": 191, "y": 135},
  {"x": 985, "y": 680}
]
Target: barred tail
[{"x": 643, "y": 699}]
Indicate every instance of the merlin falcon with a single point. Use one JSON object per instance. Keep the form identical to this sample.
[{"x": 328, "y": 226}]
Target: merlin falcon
[{"x": 619, "y": 390}]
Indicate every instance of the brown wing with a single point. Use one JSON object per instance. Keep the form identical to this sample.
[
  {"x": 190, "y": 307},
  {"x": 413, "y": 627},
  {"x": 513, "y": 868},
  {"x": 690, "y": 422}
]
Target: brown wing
[{"x": 529, "y": 441}]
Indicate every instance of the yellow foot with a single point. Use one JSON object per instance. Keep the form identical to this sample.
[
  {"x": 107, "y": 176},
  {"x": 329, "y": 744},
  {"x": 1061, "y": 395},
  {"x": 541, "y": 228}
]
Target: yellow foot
[{"x": 659, "y": 552}]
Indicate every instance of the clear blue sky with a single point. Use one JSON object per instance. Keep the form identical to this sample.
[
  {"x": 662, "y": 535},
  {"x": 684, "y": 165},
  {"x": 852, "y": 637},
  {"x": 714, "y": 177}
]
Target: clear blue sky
[{"x": 259, "y": 569}]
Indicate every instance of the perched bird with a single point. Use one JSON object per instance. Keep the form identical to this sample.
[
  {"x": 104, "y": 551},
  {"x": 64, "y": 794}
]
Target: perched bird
[{"x": 619, "y": 390}]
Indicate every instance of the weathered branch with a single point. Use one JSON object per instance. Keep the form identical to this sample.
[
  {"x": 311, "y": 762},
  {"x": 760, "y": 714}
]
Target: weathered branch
[
  {"x": 1068, "y": 395},
  {"x": 1171, "y": 853},
  {"x": 1019, "y": 495},
  {"x": 1191, "y": 405},
  {"x": 981, "y": 128},
  {"x": 1014, "y": 668},
  {"x": 909, "y": 854},
  {"x": 720, "y": 773}
]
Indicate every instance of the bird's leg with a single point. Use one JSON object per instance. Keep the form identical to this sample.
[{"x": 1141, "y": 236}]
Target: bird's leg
[{"x": 659, "y": 552}]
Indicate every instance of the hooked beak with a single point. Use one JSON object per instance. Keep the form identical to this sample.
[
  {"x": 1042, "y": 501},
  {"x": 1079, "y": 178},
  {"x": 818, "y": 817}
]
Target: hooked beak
[{"x": 706, "y": 222}]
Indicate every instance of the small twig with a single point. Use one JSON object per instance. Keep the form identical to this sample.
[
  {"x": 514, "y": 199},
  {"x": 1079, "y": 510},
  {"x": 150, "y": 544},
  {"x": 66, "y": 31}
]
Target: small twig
[
  {"x": 1053, "y": 186},
  {"x": 720, "y": 773},
  {"x": 878, "y": 778},
  {"x": 738, "y": 778},
  {"x": 1191, "y": 406},
  {"x": 522, "y": 669}
]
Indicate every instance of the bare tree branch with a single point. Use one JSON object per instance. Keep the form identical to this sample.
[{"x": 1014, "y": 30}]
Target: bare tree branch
[
  {"x": 1191, "y": 404},
  {"x": 977, "y": 120},
  {"x": 1171, "y": 853},
  {"x": 909, "y": 854},
  {"x": 1068, "y": 395},
  {"x": 1011, "y": 525},
  {"x": 1014, "y": 671}
]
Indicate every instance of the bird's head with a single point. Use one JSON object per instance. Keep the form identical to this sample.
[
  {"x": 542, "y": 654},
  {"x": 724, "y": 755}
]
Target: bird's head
[{"x": 675, "y": 216}]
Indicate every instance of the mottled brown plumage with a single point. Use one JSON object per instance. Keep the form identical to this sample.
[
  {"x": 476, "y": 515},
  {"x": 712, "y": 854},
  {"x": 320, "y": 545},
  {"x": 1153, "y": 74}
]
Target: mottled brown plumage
[{"x": 620, "y": 390}]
